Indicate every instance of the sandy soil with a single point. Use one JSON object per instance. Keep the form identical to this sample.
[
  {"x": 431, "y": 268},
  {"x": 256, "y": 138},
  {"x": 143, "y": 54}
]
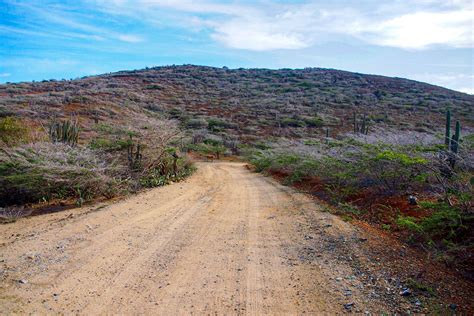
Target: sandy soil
[{"x": 225, "y": 241}]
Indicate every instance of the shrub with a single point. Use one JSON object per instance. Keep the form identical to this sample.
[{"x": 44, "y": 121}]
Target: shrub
[
  {"x": 262, "y": 162},
  {"x": 110, "y": 144},
  {"x": 410, "y": 223},
  {"x": 314, "y": 122},
  {"x": 216, "y": 125},
  {"x": 13, "y": 131},
  {"x": 11, "y": 214},
  {"x": 393, "y": 168},
  {"x": 291, "y": 122},
  {"x": 45, "y": 171},
  {"x": 165, "y": 173},
  {"x": 446, "y": 222},
  {"x": 196, "y": 123}
]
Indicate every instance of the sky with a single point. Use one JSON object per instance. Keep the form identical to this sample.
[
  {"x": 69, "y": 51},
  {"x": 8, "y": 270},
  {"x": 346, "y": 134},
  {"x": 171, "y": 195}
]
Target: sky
[{"x": 425, "y": 40}]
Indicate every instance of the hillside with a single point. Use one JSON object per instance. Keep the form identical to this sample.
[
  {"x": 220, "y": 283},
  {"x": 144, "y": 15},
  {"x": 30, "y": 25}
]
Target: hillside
[{"x": 250, "y": 103}]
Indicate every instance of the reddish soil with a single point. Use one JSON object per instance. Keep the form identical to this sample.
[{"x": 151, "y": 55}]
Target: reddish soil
[{"x": 387, "y": 248}]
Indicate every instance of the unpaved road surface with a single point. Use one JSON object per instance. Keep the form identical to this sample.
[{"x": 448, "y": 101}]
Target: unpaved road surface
[{"x": 225, "y": 241}]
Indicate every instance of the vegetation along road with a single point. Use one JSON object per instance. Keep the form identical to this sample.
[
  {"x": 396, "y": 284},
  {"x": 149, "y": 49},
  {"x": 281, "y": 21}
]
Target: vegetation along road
[{"x": 224, "y": 241}]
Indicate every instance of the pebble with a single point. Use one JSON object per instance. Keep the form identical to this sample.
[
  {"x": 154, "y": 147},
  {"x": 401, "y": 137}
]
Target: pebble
[
  {"x": 349, "y": 305},
  {"x": 405, "y": 292},
  {"x": 23, "y": 281}
]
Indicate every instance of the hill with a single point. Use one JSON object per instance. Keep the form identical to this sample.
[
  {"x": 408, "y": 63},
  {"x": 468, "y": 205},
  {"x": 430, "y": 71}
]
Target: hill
[{"x": 247, "y": 103}]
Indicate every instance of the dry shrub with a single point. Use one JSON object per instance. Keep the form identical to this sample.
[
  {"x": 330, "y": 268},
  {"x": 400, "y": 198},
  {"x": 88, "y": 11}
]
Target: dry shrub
[
  {"x": 15, "y": 131},
  {"x": 11, "y": 214},
  {"x": 44, "y": 171}
]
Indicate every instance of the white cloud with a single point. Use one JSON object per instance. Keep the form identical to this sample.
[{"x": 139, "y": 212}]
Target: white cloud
[
  {"x": 130, "y": 38},
  {"x": 5, "y": 74},
  {"x": 423, "y": 29},
  {"x": 266, "y": 25},
  {"x": 456, "y": 81},
  {"x": 467, "y": 90}
]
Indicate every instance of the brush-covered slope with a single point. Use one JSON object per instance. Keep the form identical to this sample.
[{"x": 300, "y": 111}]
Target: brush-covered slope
[{"x": 245, "y": 104}]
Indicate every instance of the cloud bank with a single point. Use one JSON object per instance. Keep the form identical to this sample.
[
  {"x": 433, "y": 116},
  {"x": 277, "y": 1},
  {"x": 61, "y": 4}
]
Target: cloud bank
[{"x": 261, "y": 26}]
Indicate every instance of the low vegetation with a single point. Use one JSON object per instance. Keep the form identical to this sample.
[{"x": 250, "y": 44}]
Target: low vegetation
[
  {"x": 107, "y": 165},
  {"x": 410, "y": 187}
]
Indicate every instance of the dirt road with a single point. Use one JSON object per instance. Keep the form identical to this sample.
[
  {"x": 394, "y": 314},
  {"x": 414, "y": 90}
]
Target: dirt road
[{"x": 225, "y": 241}]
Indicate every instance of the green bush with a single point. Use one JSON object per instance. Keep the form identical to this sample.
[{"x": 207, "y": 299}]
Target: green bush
[
  {"x": 216, "y": 125},
  {"x": 447, "y": 222},
  {"x": 292, "y": 122},
  {"x": 196, "y": 123},
  {"x": 110, "y": 144},
  {"x": 410, "y": 223},
  {"x": 13, "y": 131},
  {"x": 261, "y": 162},
  {"x": 314, "y": 122},
  {"x": 165, "y": 173}
]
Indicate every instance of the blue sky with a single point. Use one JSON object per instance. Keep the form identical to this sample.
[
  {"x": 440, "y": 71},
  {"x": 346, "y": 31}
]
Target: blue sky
[{"x": 425, "y": 40}]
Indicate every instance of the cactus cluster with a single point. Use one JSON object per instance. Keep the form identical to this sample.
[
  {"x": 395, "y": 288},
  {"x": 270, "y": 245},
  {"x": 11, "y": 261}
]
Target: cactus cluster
[
  {"x": 361, "y": 126},
  {"x": 65, "y": 132}
]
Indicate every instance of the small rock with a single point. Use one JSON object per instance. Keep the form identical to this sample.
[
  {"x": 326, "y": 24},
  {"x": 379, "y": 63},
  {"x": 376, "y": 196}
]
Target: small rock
[
  {"x": 453, "y": 306},
  {"x": 405, "y": 292},
  {"x": 417, "y": 303},
  {"x": 338, "y": 279},
  {"x": 349, "y": 305},
  {"x": 412, "y": 200},
  {"x": 23, "y": 281}
]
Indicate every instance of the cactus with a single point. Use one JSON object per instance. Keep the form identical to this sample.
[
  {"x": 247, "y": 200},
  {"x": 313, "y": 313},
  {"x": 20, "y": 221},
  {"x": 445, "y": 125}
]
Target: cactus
[
  {"x": 65, "y": 132},
  {"x": 447, "y": 137},
  {"x": 364, "y": 123},
  {"x": 355, "y": 122},
  {"x": 363, "y": 127},
  {"x": 134, "y": 156},
  {"x": 455, "y": 140}
]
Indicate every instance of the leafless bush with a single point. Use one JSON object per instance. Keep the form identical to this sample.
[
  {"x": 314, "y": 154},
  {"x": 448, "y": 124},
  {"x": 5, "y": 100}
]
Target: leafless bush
[
  {"x": 33, "y": 172},
  {"x": 395, "y": 137},
  {"x": 11, "y": 214}
]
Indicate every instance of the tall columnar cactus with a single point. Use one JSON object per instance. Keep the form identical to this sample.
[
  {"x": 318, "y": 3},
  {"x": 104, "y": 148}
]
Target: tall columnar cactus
[
  {"x": 455, "y": 140},
  {"x": 355, "y": 123},
  {"x": 447, "y": 136},
  {"x": 65, "y": 132},
  {"x": 363, "y": 127}
]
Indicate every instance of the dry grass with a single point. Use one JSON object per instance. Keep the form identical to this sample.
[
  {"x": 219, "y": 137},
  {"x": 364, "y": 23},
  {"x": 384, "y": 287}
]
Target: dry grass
[{"x": 11, "y": 214}]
